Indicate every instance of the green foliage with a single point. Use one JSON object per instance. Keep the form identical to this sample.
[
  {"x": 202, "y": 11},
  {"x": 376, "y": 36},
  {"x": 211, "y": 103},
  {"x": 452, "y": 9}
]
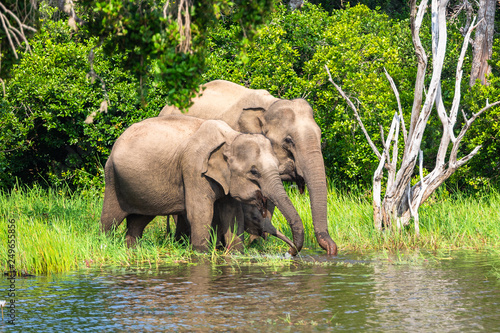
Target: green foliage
[
  {"x": 148, "y": 33},
  {"x": 394, "y": 8},
  {"x": 359, "y": 44},
  {"x": 125, "y": 65},
  {"x": 288, "y": 56},
  {"x": 140, "y": 30},
  {"x": 48, "y": 99},
  {"x": 72, "y": 96},
  {"x": 484, "y": 168}
]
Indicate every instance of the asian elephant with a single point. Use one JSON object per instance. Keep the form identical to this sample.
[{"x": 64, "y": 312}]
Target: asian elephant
[
  {"x": 291, "y": 128},
  {"x": 181, "y": 165},
  {"x": 259, "y": 225},
  {"x": 250, "y": 218}
]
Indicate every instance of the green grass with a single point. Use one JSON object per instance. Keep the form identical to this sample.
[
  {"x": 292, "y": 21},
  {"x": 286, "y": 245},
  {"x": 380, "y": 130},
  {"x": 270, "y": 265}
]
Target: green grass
[
  {"x": 446, "y": 222},
  {"x": 58, "y": 230}
]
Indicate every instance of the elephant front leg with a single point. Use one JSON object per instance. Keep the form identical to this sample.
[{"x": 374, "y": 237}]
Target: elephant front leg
[
  {"x": 200, "y": 217},
  {"x": 234, "y": 233},
  {"x": 231, "y": 222}
]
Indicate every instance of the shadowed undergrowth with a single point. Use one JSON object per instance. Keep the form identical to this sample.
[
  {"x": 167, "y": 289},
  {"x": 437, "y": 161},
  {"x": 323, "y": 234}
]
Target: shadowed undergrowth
[{"x": 58, "y": 230}]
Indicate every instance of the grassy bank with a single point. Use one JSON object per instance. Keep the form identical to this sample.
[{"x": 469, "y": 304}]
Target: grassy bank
[
  {"x": 447, "y": 221},
  {"x": 57, "y": 230}
]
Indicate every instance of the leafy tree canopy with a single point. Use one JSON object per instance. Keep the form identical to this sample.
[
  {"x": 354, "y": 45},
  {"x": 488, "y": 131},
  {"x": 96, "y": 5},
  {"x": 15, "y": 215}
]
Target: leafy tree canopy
[{"x": 118, "y": 62}]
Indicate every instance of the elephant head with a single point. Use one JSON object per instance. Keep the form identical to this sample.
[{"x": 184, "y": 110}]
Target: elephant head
[
  {"x": 247, "y": 170},
  {"x": 258, "y": 225},
  {"x": 296, "y": 141}
]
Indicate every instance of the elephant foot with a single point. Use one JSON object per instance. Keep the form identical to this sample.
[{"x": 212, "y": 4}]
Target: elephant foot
[{"x": 131, "y": 241}]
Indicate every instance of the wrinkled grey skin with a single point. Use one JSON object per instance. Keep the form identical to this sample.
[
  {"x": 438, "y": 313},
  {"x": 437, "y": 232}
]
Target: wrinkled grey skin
[
  {"x": 182, "y": 165},
  {"x": 228, "y": 219},
  {"x": 294, "y": 135}
]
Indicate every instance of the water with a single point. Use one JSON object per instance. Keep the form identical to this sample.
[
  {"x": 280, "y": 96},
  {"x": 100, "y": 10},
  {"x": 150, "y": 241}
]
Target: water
[{"x": 459, "y": 292}]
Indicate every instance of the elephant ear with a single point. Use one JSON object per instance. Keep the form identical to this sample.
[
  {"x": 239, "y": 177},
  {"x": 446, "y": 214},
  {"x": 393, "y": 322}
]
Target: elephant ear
[
  {"x": 206, "y": 147},
  {"x": 251, "y": 121},
  {"x": 255, "y": 104},
  {"x": 218, "y": 169}
]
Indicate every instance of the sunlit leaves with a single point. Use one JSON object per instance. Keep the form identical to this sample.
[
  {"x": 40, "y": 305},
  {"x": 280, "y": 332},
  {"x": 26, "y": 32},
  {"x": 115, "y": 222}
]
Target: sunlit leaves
[{"x": 287, "y": 58}]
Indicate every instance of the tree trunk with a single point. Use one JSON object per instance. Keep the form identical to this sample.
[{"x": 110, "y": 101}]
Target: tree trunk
[{"x": 483, "y": 42}]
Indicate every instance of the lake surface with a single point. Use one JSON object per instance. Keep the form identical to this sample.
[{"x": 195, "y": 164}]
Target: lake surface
[{"x": 455, "y": 292}]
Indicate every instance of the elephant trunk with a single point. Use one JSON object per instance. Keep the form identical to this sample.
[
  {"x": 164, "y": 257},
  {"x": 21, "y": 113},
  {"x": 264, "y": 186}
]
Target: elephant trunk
[
  {"x": 274, "y": 191},
  {"x": 313, "y": 170},
  {"x": 268, "y": 228}
]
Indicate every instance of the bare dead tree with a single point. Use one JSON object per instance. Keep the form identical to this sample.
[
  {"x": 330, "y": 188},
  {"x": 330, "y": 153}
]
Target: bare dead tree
[
  {"x": 14, "y": 29},
  {"x": 401, "y": 200},
  {"x": 466, "y": 7},
  {"x": 183, "y": 22}
]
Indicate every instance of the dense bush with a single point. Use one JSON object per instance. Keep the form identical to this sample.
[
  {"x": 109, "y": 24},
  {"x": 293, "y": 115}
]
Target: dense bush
[
  {"x": 288, "y": 59},
  {"x": 50, "y": 95}
]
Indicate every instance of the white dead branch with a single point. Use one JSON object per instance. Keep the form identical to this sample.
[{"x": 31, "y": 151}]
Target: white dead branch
[
  {"x": 15, "y": 32},
  {"x": 183, "y": 22},
  {"x": 401, "y": 200}
]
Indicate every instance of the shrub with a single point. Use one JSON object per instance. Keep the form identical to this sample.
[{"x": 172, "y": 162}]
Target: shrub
[{"x": 50, "y": 95}]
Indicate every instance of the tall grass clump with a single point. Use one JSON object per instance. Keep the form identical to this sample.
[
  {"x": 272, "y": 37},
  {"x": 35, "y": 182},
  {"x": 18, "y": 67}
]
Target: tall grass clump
[
  {"x": 58, "y": 230},
  {"x": 463, "y": 221},
  {"x": 447, "y": 221},
  {"x": 48, "y": 228}
]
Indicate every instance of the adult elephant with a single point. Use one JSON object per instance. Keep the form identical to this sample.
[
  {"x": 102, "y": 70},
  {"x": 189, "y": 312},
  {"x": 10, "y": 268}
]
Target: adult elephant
[
  {"x": 182, "y": 165},
  {"x": 289, "y": 125}
]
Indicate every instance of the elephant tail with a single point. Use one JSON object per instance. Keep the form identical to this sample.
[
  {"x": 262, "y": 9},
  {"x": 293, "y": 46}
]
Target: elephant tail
[{"x": 112, "y": 215}]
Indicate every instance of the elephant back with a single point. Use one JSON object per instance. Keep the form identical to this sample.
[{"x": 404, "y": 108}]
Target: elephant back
[{"x": 224, "y": 100}]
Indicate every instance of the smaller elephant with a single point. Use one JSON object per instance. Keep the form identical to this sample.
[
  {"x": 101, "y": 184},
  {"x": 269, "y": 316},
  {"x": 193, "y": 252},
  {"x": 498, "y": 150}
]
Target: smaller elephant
[
  {"x": 259, "y": 225},
  {"x": 182, "y": 165},
  {"x": 231, "y": 215}
]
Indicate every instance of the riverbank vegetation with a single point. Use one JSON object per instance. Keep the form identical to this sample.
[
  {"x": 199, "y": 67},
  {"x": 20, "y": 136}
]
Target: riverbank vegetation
[
  {"x": 57, "y": 230},
  {"x": 78, "y": 87}
]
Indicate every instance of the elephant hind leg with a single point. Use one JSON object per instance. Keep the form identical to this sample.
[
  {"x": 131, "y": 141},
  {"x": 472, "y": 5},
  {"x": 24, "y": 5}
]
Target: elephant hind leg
[{"x": 135, "y": 227}]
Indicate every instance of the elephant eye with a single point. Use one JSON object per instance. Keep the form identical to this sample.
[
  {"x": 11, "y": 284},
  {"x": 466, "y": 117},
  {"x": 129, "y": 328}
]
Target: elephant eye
[
  {"x": 254, "y": 171},
  {"x": 288, "y": 141}
]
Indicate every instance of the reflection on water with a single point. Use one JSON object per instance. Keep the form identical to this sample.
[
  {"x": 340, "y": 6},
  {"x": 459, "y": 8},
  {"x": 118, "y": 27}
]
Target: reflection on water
[{"x": 454, "y": 294}]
